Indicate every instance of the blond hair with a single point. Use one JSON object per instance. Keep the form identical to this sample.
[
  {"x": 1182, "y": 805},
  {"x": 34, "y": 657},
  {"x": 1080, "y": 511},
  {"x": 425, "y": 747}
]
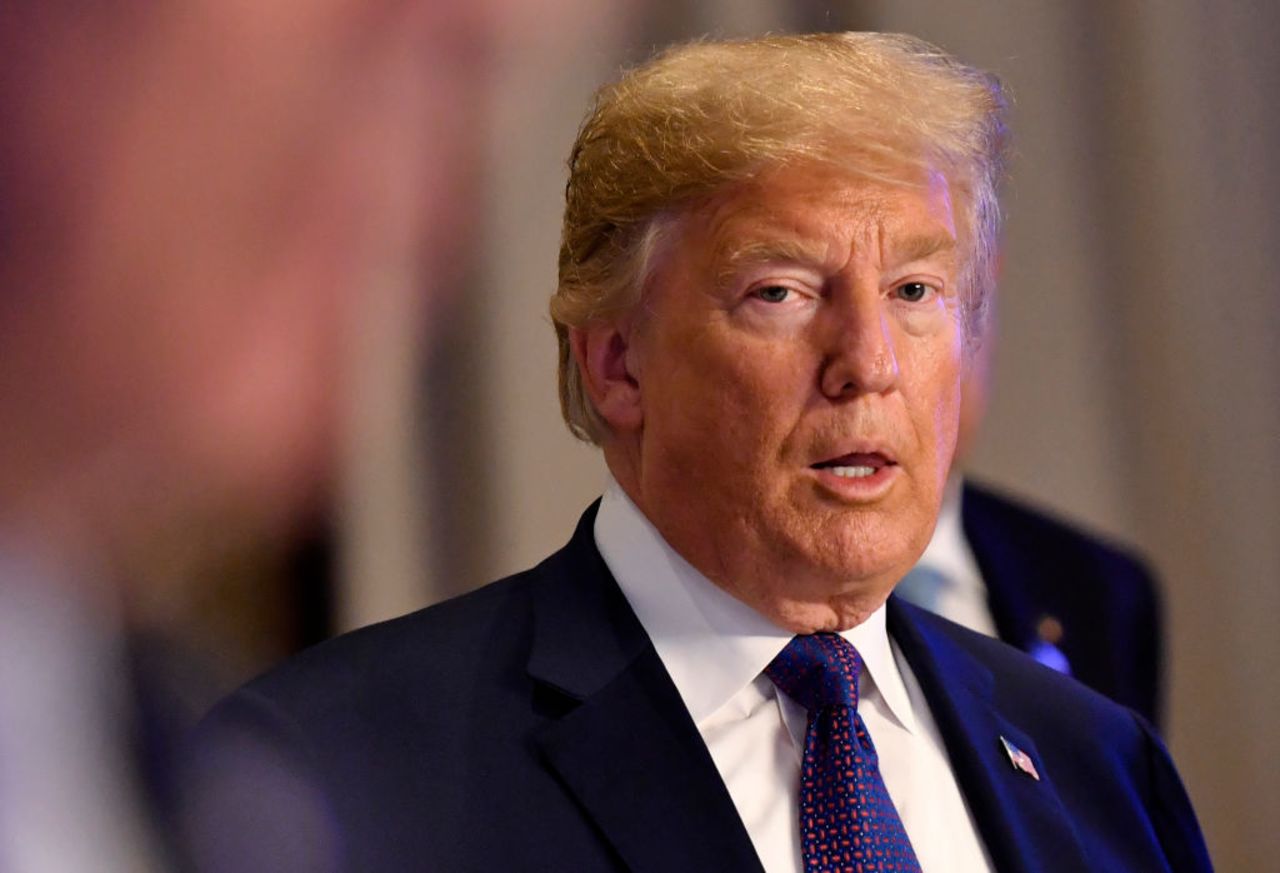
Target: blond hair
[{"x": 706, "y": 114}]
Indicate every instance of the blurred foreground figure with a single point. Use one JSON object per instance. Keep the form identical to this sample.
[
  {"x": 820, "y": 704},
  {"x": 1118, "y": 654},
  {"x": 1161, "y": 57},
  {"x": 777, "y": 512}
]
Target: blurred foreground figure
[
  {"x": 773, "y": 266},
  {"x": 1073, "y": 602},
  {"x": 200, "y": 205}
]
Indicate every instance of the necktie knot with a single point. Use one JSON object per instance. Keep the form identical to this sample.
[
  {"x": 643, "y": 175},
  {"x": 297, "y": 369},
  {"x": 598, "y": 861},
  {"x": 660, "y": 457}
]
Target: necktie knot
[{"x": 817, "y": 671}]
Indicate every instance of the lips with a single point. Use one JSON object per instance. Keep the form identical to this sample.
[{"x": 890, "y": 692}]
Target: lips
[{"x": 856, "y": 465}]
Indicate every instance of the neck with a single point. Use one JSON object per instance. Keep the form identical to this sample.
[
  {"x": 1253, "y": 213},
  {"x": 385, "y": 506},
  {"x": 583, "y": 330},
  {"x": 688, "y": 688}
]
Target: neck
[{"x": 804, "y": 607}]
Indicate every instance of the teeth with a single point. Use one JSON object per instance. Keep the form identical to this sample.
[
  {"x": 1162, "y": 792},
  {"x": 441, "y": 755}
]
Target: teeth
[{"x": 853, "y": 472}]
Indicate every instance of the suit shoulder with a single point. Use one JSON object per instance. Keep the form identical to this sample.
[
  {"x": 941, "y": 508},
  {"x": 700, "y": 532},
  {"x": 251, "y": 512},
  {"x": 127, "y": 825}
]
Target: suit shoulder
[
  {"x": 1026, "y": 683},
  {"x": 429, "y": 649},
  {"x": 441, "y": 653},
  {"x": 1049, "y": 531}
]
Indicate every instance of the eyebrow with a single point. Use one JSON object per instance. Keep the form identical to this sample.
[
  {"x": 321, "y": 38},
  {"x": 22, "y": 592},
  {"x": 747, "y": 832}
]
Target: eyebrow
[
  {"x": 767, "y": 252},
  {"x": 919, "y": 247},
  {"x": 814, "y": 254}
]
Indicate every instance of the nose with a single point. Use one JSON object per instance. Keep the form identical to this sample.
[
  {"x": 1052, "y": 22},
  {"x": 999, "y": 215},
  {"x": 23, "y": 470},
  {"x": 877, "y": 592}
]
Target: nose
[{"x": 860, "y": 354}]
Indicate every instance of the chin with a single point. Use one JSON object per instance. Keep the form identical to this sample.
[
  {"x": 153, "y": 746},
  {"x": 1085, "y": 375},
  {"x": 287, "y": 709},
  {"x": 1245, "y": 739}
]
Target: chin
[
  {"x": 860, "y": 552},
  {"x": 828, "y": 613}
]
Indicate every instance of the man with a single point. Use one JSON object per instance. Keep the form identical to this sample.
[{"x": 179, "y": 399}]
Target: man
[
  {"x": 774, "y": 256},
  {"x": 1075, "y": 603}
]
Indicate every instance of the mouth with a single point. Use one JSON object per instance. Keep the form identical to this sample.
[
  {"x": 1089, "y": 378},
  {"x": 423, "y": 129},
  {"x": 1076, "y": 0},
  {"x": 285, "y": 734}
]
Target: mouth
[
  {"x": 856, "y": 465},
  {"x": 858, "y": 478}
]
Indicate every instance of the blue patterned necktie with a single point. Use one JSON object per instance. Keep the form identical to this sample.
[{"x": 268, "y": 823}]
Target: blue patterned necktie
[{"x": 848, "y": 823}]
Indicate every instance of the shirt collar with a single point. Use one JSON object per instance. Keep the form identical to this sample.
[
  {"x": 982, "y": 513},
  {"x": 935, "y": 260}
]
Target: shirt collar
[{"x": 712, "y": 644}]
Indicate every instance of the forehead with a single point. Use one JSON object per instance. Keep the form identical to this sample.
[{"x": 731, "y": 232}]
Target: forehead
[{"x": 819, "y": 212}]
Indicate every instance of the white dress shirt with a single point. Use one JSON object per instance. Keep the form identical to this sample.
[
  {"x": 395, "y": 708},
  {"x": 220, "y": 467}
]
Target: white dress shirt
[{"x": 715, "y": 649}]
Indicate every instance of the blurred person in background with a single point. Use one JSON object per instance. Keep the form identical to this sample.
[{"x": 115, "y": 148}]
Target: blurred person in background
[
  {"x": 202, "y": 207},
  {"x": 1074, "y": 602}
]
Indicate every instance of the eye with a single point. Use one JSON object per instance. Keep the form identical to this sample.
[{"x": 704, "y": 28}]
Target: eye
[
  {"x": 773, "y": 293},
  {"x": 913, "y": 292}
]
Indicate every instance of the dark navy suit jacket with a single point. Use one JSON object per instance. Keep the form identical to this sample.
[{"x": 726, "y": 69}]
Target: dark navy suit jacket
[
  {"x": 530, "y": 726},
  {"x": 1102, "y": 599}
]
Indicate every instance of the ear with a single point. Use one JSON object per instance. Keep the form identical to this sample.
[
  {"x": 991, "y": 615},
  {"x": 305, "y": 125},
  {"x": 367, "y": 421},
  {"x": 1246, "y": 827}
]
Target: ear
[{"x": 607, "y": 362}]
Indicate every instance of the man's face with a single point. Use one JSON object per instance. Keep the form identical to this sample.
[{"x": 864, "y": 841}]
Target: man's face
[{"x": 798, "y": 362}]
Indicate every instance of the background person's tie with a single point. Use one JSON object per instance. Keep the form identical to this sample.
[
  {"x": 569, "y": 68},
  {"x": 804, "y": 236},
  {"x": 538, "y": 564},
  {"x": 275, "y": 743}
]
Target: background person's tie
[{"x": 848, "y": 823}]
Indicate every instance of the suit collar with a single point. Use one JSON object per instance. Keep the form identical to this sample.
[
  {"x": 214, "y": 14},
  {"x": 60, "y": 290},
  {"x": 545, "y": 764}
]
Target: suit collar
[
  {"x": 625, "y": 746},
  {"x": 1022, "y": 821},
  {"x": 584, "y": 633},
  {"x": 712, "y": 644}
]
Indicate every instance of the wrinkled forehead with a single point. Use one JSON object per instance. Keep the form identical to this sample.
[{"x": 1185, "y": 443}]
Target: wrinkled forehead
[{"x": 813, "y": 211}]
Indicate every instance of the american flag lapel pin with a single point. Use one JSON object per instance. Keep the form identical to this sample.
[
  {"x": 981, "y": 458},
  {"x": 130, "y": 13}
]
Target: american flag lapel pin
[{"x": 1020, "y": 760}]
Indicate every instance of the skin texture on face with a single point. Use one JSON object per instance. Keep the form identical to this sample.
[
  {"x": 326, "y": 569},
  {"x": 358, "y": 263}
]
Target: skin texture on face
[{"x": 784, "y": 406}]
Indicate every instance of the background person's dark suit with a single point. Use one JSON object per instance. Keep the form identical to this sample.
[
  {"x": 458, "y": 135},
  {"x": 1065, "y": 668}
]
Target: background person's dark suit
[
  {"x": 1045, "y": 578},
  {"x": 532, "y": 726}
]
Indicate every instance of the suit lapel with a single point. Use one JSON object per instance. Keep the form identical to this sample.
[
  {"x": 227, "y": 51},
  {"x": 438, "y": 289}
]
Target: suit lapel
[
  {"x": 1021, "y": 820},
  {"x": 1013, "y": 581},
  {"x": 1012, "y": 607},
  {"x": 625, "y": 746}
]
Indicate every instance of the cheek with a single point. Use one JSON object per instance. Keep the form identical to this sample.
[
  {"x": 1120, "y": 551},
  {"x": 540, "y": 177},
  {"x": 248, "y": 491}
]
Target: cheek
[
  {"x": 725, "y": 403},
  {"x": 947, "y": 424},
  {"x": 935, "y": 388},
  {"x": 755, "y": 393}
]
